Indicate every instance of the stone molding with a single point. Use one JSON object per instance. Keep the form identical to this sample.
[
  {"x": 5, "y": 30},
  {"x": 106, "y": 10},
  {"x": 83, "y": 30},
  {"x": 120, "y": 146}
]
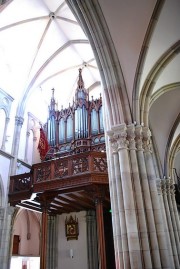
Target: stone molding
[{"x": 130, "y": 137}]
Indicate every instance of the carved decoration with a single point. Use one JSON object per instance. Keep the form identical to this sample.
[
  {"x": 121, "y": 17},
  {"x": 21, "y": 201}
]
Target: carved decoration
[
  {"x": 60, "y": 168},
  {"x": 22, "y": 183},
  {"x": 80, "y": 165},
  {"x": 100, "y": 164},
  {"x": 43, "y": 173}
]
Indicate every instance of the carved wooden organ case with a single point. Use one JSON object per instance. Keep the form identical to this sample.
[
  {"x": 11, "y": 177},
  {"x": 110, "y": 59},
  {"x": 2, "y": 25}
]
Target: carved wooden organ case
[{"x": 78, "y": 128}]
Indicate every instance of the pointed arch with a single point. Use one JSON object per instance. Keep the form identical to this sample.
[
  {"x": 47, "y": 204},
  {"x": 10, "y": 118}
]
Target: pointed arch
[
  {"x": 171, "y": 149},
  {"x": 151, "y": 80},
  {"x": 136, "y": 90}
]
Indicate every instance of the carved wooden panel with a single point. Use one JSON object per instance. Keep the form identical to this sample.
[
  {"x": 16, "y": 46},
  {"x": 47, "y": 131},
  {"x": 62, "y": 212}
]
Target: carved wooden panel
[{"x": 80, "y": 165}]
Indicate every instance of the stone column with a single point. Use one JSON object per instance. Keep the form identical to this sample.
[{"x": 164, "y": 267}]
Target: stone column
[
  {"x": 92, "y": 243},
  {"x": 155, "y": 200},
  {"x": 43, "y": 247},
  {"x": 16, "y": 139},
  {"x": 5, "y": 134},
  {"x": 51, "y": 243},
  {"x": 170, "y": 193},
  {"x": 27, "y": 146},
  {"x": 34, "y": 149},
  {"x": 123, "y": 238},
  {"x": 100, "y": 233},
  {"x": 5, "y": 244},
  {"x": 121, "y": 242},
  {"x": 1, "y": 224},
  {"x": 169, "y": 222},
  {"x": 155, "y": 255},
  {"x": 177, "y": 219},
  {"x": 143, "y": 232},
  {"x": 160, "y": 190},
  {"x": 115, "y": 214},
  {"x": 120, "y": 134}
]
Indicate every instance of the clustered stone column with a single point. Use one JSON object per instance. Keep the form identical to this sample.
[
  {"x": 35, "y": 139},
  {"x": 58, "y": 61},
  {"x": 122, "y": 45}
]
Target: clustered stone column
[
  {"x": 92, "y": 244},
  {"x": 16, "y": 140},
  {"x": 51, "y": 242},
  {"x": 5, "y": 246},
  {"x": 140, "y": 240},
  {"x": 173, "y": 224},
  {"x": 27, "y": 146}
]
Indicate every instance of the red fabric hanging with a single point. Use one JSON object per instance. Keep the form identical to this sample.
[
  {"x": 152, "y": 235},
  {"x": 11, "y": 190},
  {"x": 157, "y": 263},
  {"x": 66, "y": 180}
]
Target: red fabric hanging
[{"x": 43, "y": 146}]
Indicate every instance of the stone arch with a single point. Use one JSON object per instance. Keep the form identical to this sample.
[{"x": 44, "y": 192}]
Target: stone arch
[
  {"x": 136, "y": 90},
  {"x": 154, "y": 97},
  {"x": 152, "y": 78},
  {"x": 28, "y": 231},
  {"x": 171, "y": 151}
]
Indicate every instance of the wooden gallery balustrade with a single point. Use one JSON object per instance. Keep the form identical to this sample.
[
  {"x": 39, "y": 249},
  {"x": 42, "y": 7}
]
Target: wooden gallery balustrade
[{"x": 68, "y": 184}]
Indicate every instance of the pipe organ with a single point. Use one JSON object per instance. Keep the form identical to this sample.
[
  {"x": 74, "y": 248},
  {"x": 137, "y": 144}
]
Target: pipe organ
[{"x": 79, "y": 127}]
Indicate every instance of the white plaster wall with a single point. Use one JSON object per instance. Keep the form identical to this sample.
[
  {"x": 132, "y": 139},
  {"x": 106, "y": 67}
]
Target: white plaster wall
[
  {"x": 79, "y": 247},
  {"x": 31, "y": 246},
  {"x": 21, "y": 169}
]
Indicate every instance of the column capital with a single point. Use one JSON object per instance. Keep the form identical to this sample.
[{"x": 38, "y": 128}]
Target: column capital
[
  {"x": 168, "y": 186},
  {"x": 7, "y": 119},
  {"x": 163, "y": 187},
  {"x": 172, "y": 187},
  {"x": 159, "y": 186},
  {"x": 19, "y": 121},
  {"x": 131, "y": 136},
  {"x": 139, "y": 137},
  {"x": 146, "y": 139},
  {"x": 120, "y": 134},
  {"x": 34, "y": 139}
]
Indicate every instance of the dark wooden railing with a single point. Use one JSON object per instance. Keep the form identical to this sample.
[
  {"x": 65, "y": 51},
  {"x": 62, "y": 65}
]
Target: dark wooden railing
[{"x": 59, "y": 169}]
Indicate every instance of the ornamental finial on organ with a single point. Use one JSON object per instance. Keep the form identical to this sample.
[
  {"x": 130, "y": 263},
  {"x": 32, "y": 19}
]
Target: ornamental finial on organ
[
  {"x": 53, "y": 102},
  {"x": 80, "y": 81},
  {"x": 81, "y": 93}
]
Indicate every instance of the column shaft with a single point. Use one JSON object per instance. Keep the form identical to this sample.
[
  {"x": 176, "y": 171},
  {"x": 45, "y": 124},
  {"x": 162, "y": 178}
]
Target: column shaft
[
  {"x": 92, "y": 244},
  {"x": 157, "y": 211},
  {"x": 162, "y": 206},
  {"x": 120, "y": 134},
  {"x": 122, "y": 229},
  {"x": 43, "y": 251},
  {"x": 155, "y": 255},
  {"x": 169, "y": 222},
  {"x": 139, "y": 203},
  {"x": 101, "y": 238},
  {"x": 51, "y": 242}
]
